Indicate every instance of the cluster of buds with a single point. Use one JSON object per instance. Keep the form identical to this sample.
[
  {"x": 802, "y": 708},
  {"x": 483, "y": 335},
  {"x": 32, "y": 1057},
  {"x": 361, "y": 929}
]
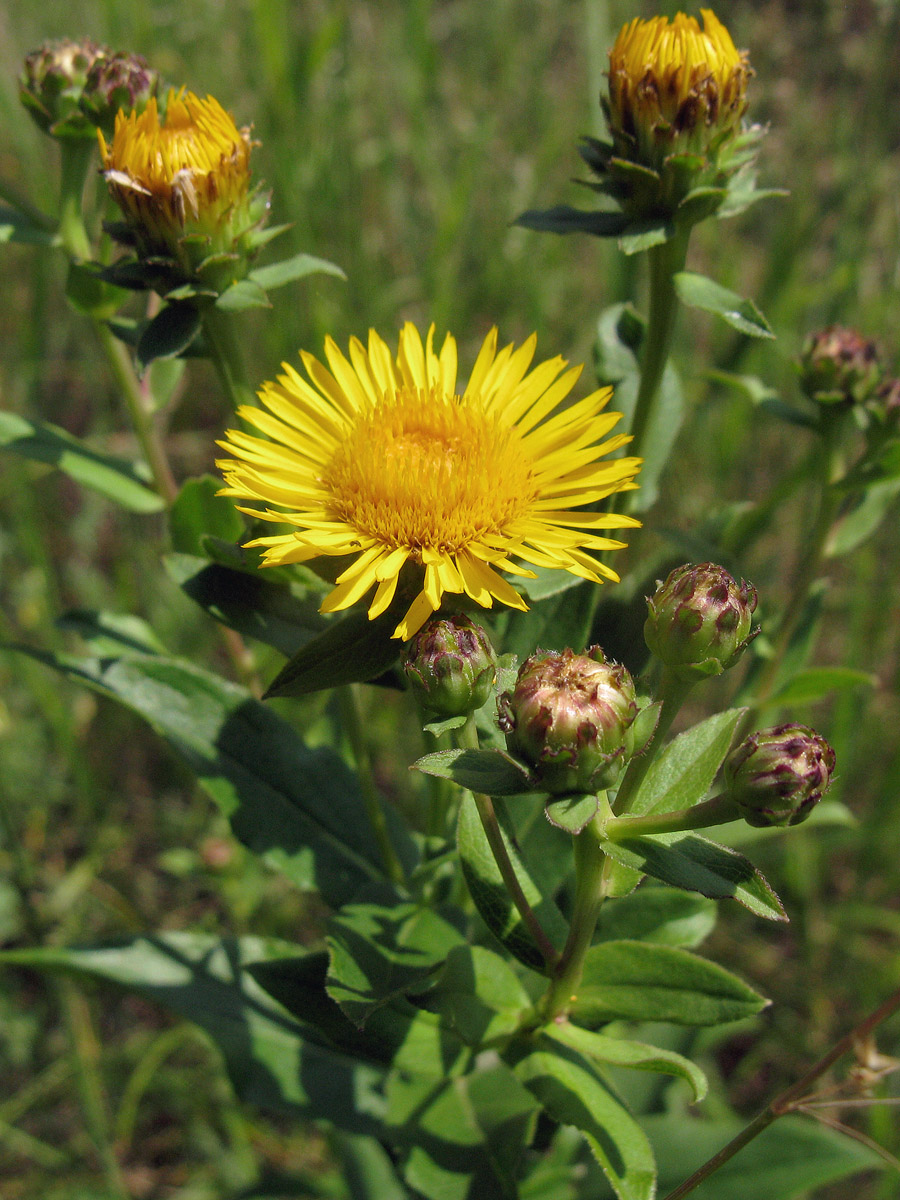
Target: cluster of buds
[
  {"x": 700, "y": 621},
  {"x": 677, "y": 93},
  {"x": 73, "y": 88},
  {"x": 840, "y": 366},
  {"x": 569, "y": 718},
  {"x": 777, "y": 776},
  {"x": 451, "y": 666}
]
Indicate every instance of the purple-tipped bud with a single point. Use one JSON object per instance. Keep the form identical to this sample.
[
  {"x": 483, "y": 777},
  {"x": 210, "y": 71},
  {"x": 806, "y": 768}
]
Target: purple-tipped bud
[
  {"x": 51, "y": 84},
  {"x": 777, "y": 776},
  {"x": 839, "y": 366},
  {"x": 451, "y": 665},
  {"x": 569, "y": 717},
  {"x": 700, "y": 620},
  {"x": 117, "y": 81}
]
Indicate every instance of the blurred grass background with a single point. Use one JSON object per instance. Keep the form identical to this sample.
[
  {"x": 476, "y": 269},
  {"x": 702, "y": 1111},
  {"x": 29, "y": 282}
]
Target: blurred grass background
[{"x": 402, "y": 137}]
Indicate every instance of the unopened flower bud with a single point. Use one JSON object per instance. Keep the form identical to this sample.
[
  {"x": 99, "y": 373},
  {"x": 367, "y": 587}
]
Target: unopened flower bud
[
  {"x": 569, "y": 717},
  {"x": 777, "y": 776},
  {"x": 700, "y": 620},
  {"x": 451, "y": 666},
  {"x": 52, "y": 82},
  {"x": 117, "y": 81},
  {"x": 839, "y": 366}
]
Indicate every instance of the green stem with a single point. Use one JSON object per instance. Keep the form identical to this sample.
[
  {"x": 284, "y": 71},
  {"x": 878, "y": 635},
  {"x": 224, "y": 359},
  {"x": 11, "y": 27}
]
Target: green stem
[
  {"x": 673, "y": 692},
  {"x": 810, "y": 564},
  {"x": 351, "y": 712},
  {"x": 720, "y": 810},
  {"x": 790, "y": 1099},
  {"x": 467, "y": 739},
  {"x": 225, "y": 351},
  {"x": 589, "y": 895},
  {"x": 665, "y": 261},
  {"x": 76, "y": 159}
]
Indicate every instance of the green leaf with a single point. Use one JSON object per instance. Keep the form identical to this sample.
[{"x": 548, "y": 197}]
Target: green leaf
[
  {"x": 643, "y": 235},
  {"x": 638, "y": 1056},
  {"x": 248, "y": 602},
  {"x": 379, "y": 951},
  {"x": 564, "y": 219},
  {"x": 818, "y": 683},
  {"x": 463, "y": 1138},
  {"x": 489, "y": 891},
  {"x": 90, "y": 294},
  {"x": 855, "y": 526},
  {"x": 298, "y": 808},
  {"x": 685, "y": 770},
  {"x": 658, "y": 914},
  {"x": 571, "y": 1093},
  {"x": 479, "y": 995},
  {"x": 793, "y": 1158},
  {"x": 620, "y": 335},
  {"x": 169, "y": 333},
  {"x": 199, "y": 512},
  {"x": 114, "y": 478},
  {"x": 278, "y": 274},
  {"x": 205, "y": 979},
  {"x": 17, "y": 226},
  {"x": 638, "y": 981},
  {"x": 572, "y": 813},
  {"x": 246, "y": 293},
  {"x": 697, "y": 291},
  {"x": 351, "y": 650},
  {"x": 687, "y": 861},
  {"x": 493, "y": 772},
  {"x": 111, "y": 633}
]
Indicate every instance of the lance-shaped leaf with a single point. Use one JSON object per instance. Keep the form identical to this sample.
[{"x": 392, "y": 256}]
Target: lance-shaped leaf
[
  {"x": 351, "y": 650},
  {"x": 114, "y": 478},
  {"x": 463, "y": 1137},
  {"x": 572, "y": 813},
  {"x": 299, "y": 808},
  {"x": 685, "y": 770},
  {"x": 488, "y": 890},
  {"x": 247, "y": 601},
  {"x": 687, "y": 861},
  {"x": 277, "y": 274},
  {"x": 620, "y": 1052},
  {"x": 479, "y": 994},
  {"x": 665, "y": 915},
  {"x": 379, "y": 950},
  {"x": 697, "y": 291},
  {"x": 639, "y": 981},
  {"x": 266, "y": 1051},
  {"x": 562, "y": 218},
  {"x": 492, "y": 772},
  {"x": 169, "y": 333},
  {"x": 572, "y": 1093}
]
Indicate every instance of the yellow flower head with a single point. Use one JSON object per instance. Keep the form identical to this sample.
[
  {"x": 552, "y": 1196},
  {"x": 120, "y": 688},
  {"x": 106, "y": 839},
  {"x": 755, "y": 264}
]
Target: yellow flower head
[
  {"x": 381, "y": 459},
  {"x": 187, "y": 176},
  {"x": 674, "y": 87}
]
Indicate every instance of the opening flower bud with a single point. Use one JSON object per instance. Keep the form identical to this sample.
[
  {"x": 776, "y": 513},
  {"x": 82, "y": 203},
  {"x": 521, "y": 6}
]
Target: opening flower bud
[
  {"x": 700, "y": 620},
  {"x": 451, "y": 665},
  {"x": 777, "y": 776},
  {"x": 569, "y": 717},
  {"x": 677, "y": 93},
  {"x": 839, "y": 366},
  {"x": 52, "y": 82}
]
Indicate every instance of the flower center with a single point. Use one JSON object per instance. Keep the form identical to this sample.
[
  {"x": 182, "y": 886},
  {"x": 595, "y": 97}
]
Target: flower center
[{"x": 427, "y": 471}]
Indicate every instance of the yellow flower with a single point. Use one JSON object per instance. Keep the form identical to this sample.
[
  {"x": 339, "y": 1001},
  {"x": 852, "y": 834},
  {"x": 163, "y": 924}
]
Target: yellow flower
[
  {"x": 383, "y": 460},
  {"x": 674, "y": 87},
  {"x": 182, "y": 184}
]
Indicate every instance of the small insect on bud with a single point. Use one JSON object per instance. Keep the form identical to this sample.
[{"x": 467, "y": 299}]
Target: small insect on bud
[
  {"x": 777, "y": 776},
  {"x": 451, "y": 665},
  {"x": 839, "y": 366},
  {"x": 569, "y": 717},
  {"x": 700, "y": 620},
  {"x": 51, "y": 84},
  {"x": 117, "y": 81}
]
